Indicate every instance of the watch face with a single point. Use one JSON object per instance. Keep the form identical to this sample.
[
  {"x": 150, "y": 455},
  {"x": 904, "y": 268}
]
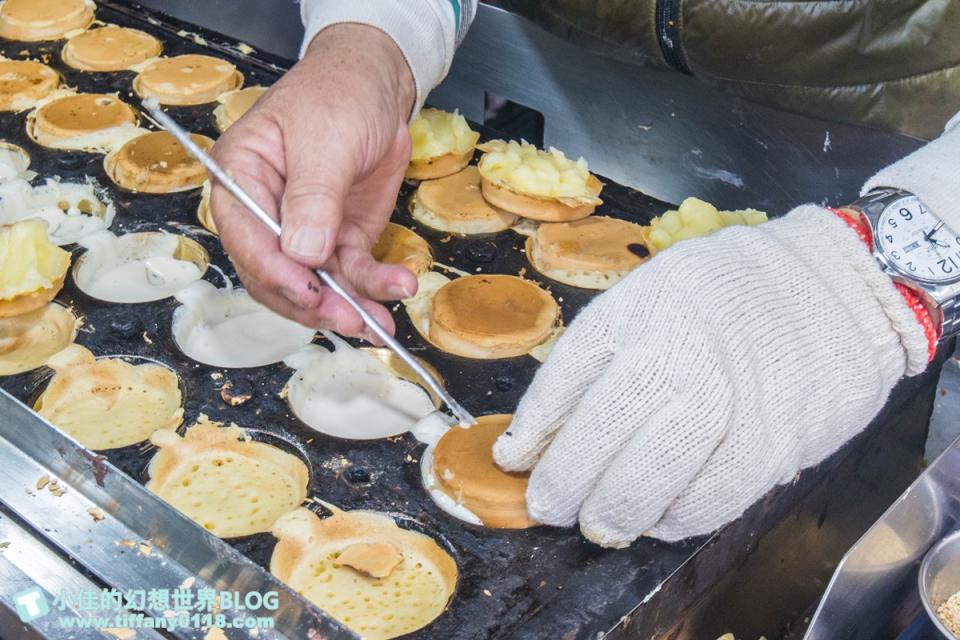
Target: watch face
[{"x": 917, "y": 243}]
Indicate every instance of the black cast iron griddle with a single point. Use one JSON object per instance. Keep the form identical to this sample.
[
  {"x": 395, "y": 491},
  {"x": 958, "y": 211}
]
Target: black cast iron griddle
[
  {"x": 503, "y": 575},
  {"x": 538, "y": 583}
]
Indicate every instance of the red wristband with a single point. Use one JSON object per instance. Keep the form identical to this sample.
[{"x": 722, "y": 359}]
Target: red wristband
[{"x": 912, "y": 299}]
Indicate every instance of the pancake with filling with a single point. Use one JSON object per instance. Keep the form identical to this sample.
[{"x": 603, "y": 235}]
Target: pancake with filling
[
  {"x": 491, "y": 316},
  {"x": 224, "y": 481},
  {"x": 379, "y": 580},
  {"x": 24, "y": 82},
  {"x": 109, "y": 403},
  {"x": 28, "y": 340},
  {"x": 399, "y": 245},
  {"x": 442, "y": 143},
  {"x": 593, "y": 253},
  {"x": 110, "y": 48},
  {"x": 187, "y": 80},
  {"x": 536, "y": 184},
  {"x": 464, "y": 470},
  {"x": 455, "y": 204},
  {"x": 156, "y": 163},
  {"x": 34, "y": 20},
  {"x": 84, "y": 121},
  {"x": 32, "y": 269},
  {"x": 234, "y": 104}
]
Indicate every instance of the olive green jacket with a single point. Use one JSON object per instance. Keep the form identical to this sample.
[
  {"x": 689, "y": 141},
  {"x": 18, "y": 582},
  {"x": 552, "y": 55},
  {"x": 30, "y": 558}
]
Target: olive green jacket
[{"x": 892, "y": 64}]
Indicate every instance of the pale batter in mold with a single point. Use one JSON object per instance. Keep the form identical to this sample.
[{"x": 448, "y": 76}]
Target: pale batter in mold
[
  {"x": 14, "y": 163},
  {"x": 228, "y": 328},
  {"x": 138, "y": 267},
  {"x": 350, "y": 393},
  {"x": 71, "y": 210}
]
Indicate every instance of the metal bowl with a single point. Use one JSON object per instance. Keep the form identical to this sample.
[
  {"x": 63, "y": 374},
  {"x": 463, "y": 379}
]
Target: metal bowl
[{"x": 939, "y": 578}]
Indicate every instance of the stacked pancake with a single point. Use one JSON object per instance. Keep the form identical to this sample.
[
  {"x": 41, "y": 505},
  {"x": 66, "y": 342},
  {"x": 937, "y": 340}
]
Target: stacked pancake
[
  {"x": 360, "y": 567},
  {"x": 455, "y": 204},
  {"x": 462, "y": 478},
  {"x": 399, "y": 245},
  {"x": 83, "y": 122},
  {"x": 226, "y": 482},
  {"x": 32, "y": 269},
  {"x": 110, "y": 48},
  {"x": 484, "y": 316},
  {"x": 442, "y": 144},
  {"x": 109, "y": 403},
  {"x": 156, "y": 162},
  {"x": 189, "y": 79},
  {"x": 234, "y": 104},
  {"x": 23, "y": 83},
  {"x": 35, "y": 20}
]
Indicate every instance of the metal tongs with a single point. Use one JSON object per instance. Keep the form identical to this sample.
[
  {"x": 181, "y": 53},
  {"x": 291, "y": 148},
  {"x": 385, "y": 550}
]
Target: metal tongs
[{"x": 153, "y": 107}]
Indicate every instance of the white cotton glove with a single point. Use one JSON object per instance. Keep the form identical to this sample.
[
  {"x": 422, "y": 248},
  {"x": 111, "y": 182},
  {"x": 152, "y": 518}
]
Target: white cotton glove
[{"x": 708, "y": 376}]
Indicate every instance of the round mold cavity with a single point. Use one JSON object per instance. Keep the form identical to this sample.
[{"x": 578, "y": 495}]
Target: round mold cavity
[
  {"x": 257, "y": 546},
  {"x": 45, "y": 374},
  {"x": 400, "y": 371},
  {"x": 121, "y": 255}
]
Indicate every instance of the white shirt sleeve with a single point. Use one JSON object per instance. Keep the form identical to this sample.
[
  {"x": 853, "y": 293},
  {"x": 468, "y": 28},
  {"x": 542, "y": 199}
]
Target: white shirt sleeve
[{"x": 426, "y": 31}]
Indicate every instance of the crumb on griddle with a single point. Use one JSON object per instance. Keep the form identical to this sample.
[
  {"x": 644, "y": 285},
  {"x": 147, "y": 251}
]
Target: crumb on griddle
[
  {"x": 96, "y": 514},
  {"x": 43, "y": 481}
]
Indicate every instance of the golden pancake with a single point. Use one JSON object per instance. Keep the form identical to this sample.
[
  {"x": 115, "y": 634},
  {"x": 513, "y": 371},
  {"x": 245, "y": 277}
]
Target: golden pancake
[
  {"x": 110, "y": 48},
  {"x": 156, "y": 163},
  {"x": 455, "y": 204},
  {"x": 536, "y": 184},
  {"x": 33, "y": 20},
  {"x": 32, "y": 269},
  {"x": 399, "y": 245},
  {"x": 334, "y": 562},
  {"x": 442, "y": 143},
  {"x": 84, "y": 122},
  {"x": 227, "y": 483},
  {"x": 592, "y": 253},
  {"x": 28, "y": 340},
  {"x": 491, "y": 316},
  {"x": 24, "y": 82},
  {"x": 187, "y": 80},
  {"x": 204, "y": 214},
  {"x": 234, "y": 104},
  {"x": 109, "y": 403},
  {"x": 464, "y": 470}
]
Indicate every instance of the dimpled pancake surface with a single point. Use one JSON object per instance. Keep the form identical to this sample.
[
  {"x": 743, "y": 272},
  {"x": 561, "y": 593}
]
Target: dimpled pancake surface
[
  {"x": 464, "y": 469},
  {"x": 187, "y": 80},
  {"x": 455, "y": 204},
  {"x": 32, "y": 20},
  {"x": 415, "y": 591},
  {"x": 24, "y": 82},
  {"x": 229, "y": 485},
  {"x": 156, "y": 163},
  {"x": 399, "y": 245},
  {"x": 26, "y": 341},
  {"x": 109, "y": 403},
  {"x": 110, "y": 48},
  {"x": 83, "y": 113},
  {"x": 505, "y": 313}
]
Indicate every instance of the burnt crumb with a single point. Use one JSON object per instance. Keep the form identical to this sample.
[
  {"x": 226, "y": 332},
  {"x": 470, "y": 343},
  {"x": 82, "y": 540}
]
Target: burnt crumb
[
  {"x": 503, "y": 383},
  {"x": 126, "y": 328},
  {"x": 236, "y": 393},
  {"x": 357, "y": 475}
]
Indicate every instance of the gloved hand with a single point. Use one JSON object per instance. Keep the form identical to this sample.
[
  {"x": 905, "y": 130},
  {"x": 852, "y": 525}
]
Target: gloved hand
[
  {"x": 324, "y": 151},
  {"x": 711, "y": 374}
]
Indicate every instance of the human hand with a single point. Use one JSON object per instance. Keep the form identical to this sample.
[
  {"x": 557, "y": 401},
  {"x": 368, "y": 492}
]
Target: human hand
[
  {"x": 708, "y": 376},
  {"x": 323, "y": 151}
]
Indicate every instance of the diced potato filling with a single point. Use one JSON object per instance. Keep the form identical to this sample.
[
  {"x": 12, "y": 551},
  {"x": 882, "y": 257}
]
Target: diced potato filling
[
  {"x": 436, "y": 133},
  {"x": 524, "y": 168},
  {"x": 28, "y": 260},
  {"x": 695, "y": 218}
]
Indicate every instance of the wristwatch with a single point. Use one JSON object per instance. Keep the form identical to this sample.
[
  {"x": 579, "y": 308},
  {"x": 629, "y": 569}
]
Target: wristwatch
[{"x": 916, "y": 249}]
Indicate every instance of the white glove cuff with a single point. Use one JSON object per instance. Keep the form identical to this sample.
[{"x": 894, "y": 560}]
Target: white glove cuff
[
  {"x": 424, "y": 31},
  {"x": 930, "y": 173},
  {"x": 908, "y": 354}
]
